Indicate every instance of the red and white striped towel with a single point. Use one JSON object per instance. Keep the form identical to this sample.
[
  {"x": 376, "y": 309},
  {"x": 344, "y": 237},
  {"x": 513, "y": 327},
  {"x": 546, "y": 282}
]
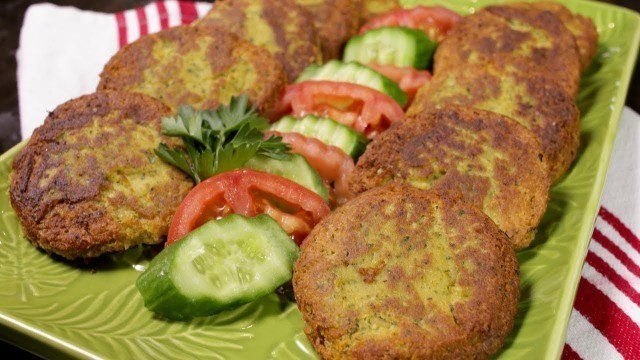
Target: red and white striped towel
[
  {"x": 605, "y": 322},
  {"x": 62, "y": 51}
]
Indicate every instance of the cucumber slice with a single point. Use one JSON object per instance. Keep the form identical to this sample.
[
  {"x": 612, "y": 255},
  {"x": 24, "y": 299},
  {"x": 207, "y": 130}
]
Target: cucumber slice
[
  {"x": 355, "y": 73},
  {"x": 296, "y": 169},
  {"x": 326, "y": 130},
  {"x": 220, "y": 265},
  {"x": 399, "y": 46}
]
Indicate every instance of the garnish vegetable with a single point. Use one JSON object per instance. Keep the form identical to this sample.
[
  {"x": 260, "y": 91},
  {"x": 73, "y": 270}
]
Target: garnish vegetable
[{"x": 218, "y": 140}]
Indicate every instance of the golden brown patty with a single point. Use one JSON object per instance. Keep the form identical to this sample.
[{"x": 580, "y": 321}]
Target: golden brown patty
[
  {"x": 202, "y": 66},
  {"x": 582, "y": 28},
  {"x": 527, "y": 40},
  {"x": 533, "y": 100},
  {"x": 401, "y": 273},
  {"x": 336, "y": 22},
  {"x": 88, "y": 181},
  {"x": 488, "y": 160},
  {"x": 282, "y": 27}
]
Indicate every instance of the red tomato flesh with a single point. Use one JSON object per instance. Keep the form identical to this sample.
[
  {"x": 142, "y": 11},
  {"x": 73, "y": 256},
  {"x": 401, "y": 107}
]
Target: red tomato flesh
[
  {"x": 249, "y": 193},
  {"x": 364, "y": 109},
  {"x": 409, "y": 79},
  {"x": 332, "y": 164},
  {"x": 435, "y": 21}
]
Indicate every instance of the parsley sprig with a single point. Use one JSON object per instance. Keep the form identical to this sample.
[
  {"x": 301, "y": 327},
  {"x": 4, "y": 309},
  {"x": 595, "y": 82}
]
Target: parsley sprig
[{"x": 218, "y": 140}]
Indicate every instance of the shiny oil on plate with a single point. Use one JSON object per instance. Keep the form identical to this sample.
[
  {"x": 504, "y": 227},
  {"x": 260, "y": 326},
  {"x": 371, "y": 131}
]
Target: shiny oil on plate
[{"x": 58, "y": 310}]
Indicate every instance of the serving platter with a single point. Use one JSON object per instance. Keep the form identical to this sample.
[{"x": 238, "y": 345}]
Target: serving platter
[{"x": 61, "y": 310}]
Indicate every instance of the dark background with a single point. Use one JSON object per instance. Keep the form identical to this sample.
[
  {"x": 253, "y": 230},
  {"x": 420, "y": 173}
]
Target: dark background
[{"x": 11, "y": 15}]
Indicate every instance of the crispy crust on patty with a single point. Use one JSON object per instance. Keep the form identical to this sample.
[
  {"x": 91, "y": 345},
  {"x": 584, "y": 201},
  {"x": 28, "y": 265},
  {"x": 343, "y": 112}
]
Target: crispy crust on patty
[
  {"x": 527, "y": 40},
  {"x": 88, "y": 181},
  {"x": 486, "y": 159},
  {"x": 336, "y": 22},
  {"x": 282, "y": 27},
  {"x": 582, "y": 28},
  {"x": 533, "y": 100},
  {"x": 402, "y": 273},
  {"x": 202, "y": 66}
]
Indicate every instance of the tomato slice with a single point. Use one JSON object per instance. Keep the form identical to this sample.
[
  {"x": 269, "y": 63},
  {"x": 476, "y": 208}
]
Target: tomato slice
[
  {"x": 332, "y": 164},
  {"x": 249, "y": 193},
  {"x": 409, "y": 79},
  {"x": 435, "y": 21},
  {"x": 362, "y": 108}
]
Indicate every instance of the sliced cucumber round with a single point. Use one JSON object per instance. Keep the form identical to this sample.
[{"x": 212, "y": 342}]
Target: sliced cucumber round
[
  {"x": 355, "y": 73},
  {"x": 326, "y": 130},
  {"x": 296, "y": 169},
  {"x": 220, "y": 265},
  {"x": 399, "y": 46}
]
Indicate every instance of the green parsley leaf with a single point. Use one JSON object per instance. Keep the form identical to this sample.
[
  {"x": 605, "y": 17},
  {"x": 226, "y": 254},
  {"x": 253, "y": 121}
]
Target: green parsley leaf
[
  {"x": 218, "y": 140},
  {"x": 274, "y": 148},
  {"x": 173, "y": 157}
]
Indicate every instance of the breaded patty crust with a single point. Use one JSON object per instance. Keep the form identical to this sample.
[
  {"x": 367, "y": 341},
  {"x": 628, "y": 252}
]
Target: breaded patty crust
[
  {"x": 488, "y": 160},
  {"x": 88, "y": 181},
  {"x": 583, "y": 29},
  {"x": 336, "y": 21},
  {"x": 202, "y": 66},
  {"x": 282, "y": 27},
  {"x": 527, "y": 40},
  {"x": 534, "y": 100},
  {"x": 402, "y": 273}
]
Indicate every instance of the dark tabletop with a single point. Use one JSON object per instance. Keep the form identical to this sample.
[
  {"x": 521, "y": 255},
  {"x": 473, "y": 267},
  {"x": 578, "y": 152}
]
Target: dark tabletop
[{"x": 11, "y": 15}]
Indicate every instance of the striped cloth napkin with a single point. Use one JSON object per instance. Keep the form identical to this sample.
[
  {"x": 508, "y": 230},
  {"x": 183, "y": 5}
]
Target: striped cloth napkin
[
  {"x": 605, "y": 321},
  {"x": 63, "y": 49}
]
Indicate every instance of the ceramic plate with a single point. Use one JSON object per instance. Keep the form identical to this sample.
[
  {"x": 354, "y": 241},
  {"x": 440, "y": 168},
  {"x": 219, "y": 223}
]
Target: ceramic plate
[{"x": 61, "y": 311}]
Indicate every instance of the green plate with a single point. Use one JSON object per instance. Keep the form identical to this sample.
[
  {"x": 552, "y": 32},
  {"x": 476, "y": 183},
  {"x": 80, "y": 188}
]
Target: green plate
[{"x": 61, "y": 311}]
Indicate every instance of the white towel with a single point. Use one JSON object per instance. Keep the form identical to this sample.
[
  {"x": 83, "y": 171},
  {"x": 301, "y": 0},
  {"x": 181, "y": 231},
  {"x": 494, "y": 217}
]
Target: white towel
[{"x": 63, "y": 50}]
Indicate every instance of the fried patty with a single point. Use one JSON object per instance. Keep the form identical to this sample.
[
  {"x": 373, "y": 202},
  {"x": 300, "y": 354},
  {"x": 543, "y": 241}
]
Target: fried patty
[
  {"x": 527, "y": 40},
  {"x": 202, "y": 66},
  {"x": 336, "y": 22},
  {"x": 88, "y": 181},
  {"x": 402, "y": 273},
  {"x": 282, "y": 27},
  {"x": 533, "y": 100},
  {"x": 582, "y": 28},
  {"x": 486, "y": 159}
]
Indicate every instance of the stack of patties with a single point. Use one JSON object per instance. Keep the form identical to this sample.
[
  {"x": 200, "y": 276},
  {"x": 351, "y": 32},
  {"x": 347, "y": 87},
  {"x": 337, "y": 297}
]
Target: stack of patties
[
  {"x": 88, "y": 182},
  {"x": 498, "y": 123},
  {"x": 483, "y": 158},
  {"x": 519, "y": 60},
  {"x": 403, "y": 273},
  {"x": 384, "y": 276}
]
